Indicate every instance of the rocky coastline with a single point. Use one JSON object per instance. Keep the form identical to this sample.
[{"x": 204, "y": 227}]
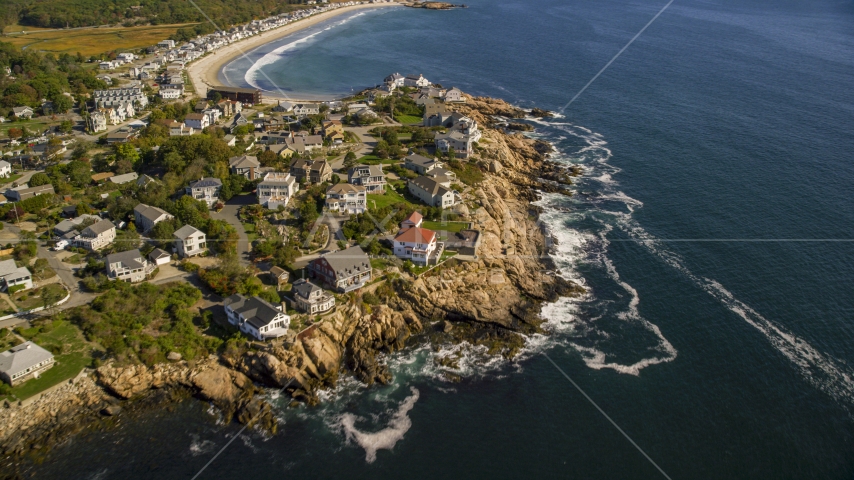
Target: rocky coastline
[{"x": 491, "y": 301}]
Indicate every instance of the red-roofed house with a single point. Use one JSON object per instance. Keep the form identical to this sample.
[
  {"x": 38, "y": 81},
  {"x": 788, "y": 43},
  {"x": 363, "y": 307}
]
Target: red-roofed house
[
  {"x": 418, "y": 244},
  {"x": 413, "y": 220}
]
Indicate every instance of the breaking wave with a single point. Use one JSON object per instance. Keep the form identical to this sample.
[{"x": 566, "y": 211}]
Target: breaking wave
[
  {"x": 254, "y": 73},
  {"x": 601, "y": 207},
  {"x": 386, "y": 438}
]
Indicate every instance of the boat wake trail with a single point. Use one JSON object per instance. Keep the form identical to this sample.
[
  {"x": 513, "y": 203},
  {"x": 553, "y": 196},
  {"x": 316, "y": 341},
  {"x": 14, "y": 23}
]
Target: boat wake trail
[{"x": 600, "y": 208}]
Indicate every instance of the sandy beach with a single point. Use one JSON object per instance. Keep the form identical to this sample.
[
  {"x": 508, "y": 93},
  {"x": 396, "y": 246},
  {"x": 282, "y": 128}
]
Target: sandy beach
[{"x": 204, "y": 72}]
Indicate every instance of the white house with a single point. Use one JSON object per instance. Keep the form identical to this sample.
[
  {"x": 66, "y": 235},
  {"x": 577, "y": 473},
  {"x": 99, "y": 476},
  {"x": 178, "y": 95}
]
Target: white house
[
  {"x": 256, "y": 316},
  {"x": 433, "y": 193},
  {"x": 310, "y": 298},
  {"x": 170, "y": 92},
  {"x": 415, "y": 81},
  {"x": 23, "y": 362},
  {"x": 11, "y": 275},
  {"x": 198, "y": 121},
  {"x": 303, "y": 109},
  {"x": 189, "y": 241},
  {"x": 369, "y": 176},
  {"x": 22, "y": 112},
  {"x": 276, "y": 189},
  {"x": 5, "y": 169},
  {"x": 118, "y": 96},
  {"x": 346, "y": 198},
  {"x": 454, "y": 95},
  {"x": 127, "y": 57},
  {"x": 96, "y": 236},
  {"x": 129, "y": 266},
  {"x": 420, "y": 245},
  {"x": 206, "y": 189},
  {"x": 97, "y": 122},
  {"x": 462, "y": 144},
  {"x": 159, "y": 257},
  {"x": 395, "y": 80},
  {"x": 146, "y": 217}
]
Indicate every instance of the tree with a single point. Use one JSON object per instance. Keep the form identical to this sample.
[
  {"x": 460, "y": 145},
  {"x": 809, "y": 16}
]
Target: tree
[
  {"x": 382, "y": 149},
  {"x": 126, "y": 151},
  {"x": 39, "y": 179},
  {"x": 15, "y": 133},
  {"x": 62, "y": 103},
  {"x": 335, "y": 179},
  {"x": 66, "y": 126},
  {"x": 268, "y": 158}
]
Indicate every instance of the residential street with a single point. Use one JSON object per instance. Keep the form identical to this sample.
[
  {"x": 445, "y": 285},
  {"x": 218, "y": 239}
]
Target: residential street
[{"x": 229, "y": 214}]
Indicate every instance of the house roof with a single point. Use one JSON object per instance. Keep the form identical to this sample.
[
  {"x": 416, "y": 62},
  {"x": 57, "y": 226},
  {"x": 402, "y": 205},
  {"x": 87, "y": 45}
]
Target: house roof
[
  {"x": 414, "y": 217},
  {"x": 206, "y": 182},
  {"x": 7, "y": 267},
  {"x": 244, "y": 161},
  {"x": 68, "y": 225},
  {"x": 373, "y": 170},
  {"x": 158, "y": 253},
  {"x": 149, "y": 213},
  {"x": 102, "y": 176},
  {"x": 304, "y": 288},
  {"x": 98, "y": 228},
  {"x": 347, "y": 262},
  {"x": 278, "y": 271},
  {"x": 420, "y": 160},
  {"x": 416, "y": 235},
  {"x": 257, "y": 311},
  {"x": 429, "y": 185},
  {"x": 344, "y": 188},
  {"x": 194, "y": 116},
  {"x": 128, "y": 177},
  {"x": 18, "y": 359},
  {"x": 185, "y": 232},
  {"x": 128, "y": 259}
]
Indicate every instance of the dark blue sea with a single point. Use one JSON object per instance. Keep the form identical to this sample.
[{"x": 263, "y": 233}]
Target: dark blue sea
[{"x": 713, "y": 228}]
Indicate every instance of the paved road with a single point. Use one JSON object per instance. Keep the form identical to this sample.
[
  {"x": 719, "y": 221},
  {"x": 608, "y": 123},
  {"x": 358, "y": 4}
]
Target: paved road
[
  {"x": 229, "y": 214},
  {"x": 66, "y": 276}
]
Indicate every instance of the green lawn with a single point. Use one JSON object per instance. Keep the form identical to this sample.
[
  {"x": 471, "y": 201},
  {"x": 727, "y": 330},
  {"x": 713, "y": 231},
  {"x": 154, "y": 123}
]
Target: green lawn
[
  {"x": 375, "y": 160},
  {"x": 11, "y": 178},
  {"x": 30, "y": 299},
  {"x": 390, "y": 198},
  {"x": 452, "y": 227},
  {"x": 32, "y": 125},
  {"x": 76, "y": 355},
  {"x": 408, "y": 119}
]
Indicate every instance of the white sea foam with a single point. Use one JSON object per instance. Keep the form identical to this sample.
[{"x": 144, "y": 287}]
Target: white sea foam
[
  {"x": 254, "y": 73},
  {"x": 200, "y": 447},
  {"x": 386, "y": 438}
]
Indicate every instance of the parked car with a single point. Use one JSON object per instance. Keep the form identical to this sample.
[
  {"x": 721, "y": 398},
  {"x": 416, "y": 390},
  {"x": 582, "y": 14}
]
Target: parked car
[{"x": 60, "y": 245}]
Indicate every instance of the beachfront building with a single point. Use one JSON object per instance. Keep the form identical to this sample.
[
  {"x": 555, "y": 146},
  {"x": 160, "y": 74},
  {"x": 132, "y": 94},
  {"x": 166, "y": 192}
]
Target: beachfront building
[
  {"x": 129, "y": 266},
  {"x": 311, "y": 171},
  {"x": 312, "y": 299},
  {"x": 415, "y": 81},
  {"x": 256, "y": 316},
  {"x": 344, "y": 270},
  {"x": 412, "y": 242},
  {"x": 433, "y": 192},
  {"x": 23, "y": 362},
  {"x": 276, "y": 189},
  {"x": 454, "y": 95},
  {"x": 205, "y": 189},
  {"x": 347, "y": 199}
]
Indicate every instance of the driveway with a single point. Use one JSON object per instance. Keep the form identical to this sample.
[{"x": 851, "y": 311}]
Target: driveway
[{"x": 229, "y": 214}]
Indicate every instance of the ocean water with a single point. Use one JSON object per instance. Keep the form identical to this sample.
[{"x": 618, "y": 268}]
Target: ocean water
[{"x": 713, "y": 228}]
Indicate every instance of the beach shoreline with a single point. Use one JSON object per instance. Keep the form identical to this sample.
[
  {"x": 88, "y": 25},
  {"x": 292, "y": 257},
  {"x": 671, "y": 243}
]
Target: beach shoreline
[{"x": 204, "y": 73}]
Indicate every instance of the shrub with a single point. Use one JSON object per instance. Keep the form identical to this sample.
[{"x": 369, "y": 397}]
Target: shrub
[{"x": 17, "y": 288}]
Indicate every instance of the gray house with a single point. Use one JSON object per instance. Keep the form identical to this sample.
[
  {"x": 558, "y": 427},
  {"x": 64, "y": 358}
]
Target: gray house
[
  {"x": 344, "y": 270},
  {"x": 25, "y": 193},
  {"x": 129, "y": 266},
  {"x": 26, "y": 361},
  {"x": 206, "y": 189},
  {"x": 312, "y": 299},
  {"x": 421, "y": 164},
  {"x": 246, "y": 165},
  {"x": 12, "y": 275},
  {"x": 371, "y": 177},
  {"x": 146, "y": 216}
]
